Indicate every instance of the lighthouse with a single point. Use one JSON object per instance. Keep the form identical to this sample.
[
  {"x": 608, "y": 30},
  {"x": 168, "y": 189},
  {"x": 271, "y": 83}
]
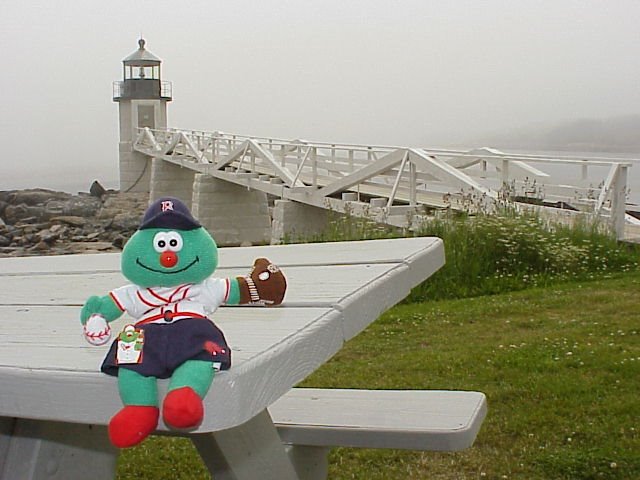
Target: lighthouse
[{"x": 142, "y": 98}]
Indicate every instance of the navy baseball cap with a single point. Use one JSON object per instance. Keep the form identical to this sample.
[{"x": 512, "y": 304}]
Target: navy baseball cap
[{"x": 168, "y": 212}]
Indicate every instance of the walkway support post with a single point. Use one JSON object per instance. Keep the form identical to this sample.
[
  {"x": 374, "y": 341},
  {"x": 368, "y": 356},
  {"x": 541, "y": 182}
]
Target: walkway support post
[
  {"x": 170, "y": 180},
  {"x": 618, "y": 202},
  {"x": 234, "y": 215},
  {"x": 297, "y": 221}
]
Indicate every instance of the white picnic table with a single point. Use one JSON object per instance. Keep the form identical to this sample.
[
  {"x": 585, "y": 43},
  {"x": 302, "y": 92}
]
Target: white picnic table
[{"x": 55, "y": 403}]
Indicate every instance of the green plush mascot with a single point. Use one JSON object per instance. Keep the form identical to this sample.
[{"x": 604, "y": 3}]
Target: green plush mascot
[{"x": 169, "y": 261}]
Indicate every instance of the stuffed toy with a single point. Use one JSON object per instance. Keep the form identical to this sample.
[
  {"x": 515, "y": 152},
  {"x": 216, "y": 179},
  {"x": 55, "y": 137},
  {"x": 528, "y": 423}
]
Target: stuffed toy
[{"x": 169, "y": 261}]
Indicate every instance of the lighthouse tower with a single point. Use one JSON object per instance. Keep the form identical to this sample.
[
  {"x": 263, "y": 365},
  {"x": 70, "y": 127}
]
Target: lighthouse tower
[{"x": 142, "y": 98}]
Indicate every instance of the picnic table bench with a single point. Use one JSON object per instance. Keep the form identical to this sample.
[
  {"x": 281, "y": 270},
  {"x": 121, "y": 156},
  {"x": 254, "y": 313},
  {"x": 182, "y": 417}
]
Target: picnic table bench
[{"x": 55, "y": 404}]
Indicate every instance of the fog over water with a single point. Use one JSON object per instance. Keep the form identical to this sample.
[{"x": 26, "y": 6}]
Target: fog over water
[{"x": 415, "y": 73}]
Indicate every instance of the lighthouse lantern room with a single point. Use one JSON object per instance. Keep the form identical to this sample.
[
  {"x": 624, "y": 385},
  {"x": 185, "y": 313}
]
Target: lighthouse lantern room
[{"x": 142, "y": 97}]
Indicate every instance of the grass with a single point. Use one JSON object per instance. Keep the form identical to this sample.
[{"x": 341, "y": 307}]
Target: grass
[
  {"x": 560, "y": 366},
  {"x": 561, "y": 382}
]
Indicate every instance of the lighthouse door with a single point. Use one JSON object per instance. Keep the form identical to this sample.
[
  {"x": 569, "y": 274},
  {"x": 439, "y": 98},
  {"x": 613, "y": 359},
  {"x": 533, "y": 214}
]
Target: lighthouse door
[{"x": 146, "y": 116}]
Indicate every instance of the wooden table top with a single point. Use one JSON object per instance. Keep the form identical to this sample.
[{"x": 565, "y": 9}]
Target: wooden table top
[{"x": 49, "y": 372}]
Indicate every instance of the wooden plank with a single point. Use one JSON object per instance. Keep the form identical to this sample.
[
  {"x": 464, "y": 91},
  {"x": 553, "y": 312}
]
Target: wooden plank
[
  {"x": 371, "y": 170},
  {"x": 324, "y": 287},
  {"x": 375, "y": 296},
  {"x": 78, "y": 392},
  {"x": 52, "y": 336},
  {"x": 408, "y": 419},
  {"x": 332, "y": 253},
  {"x": 61, "y": 264},
  {"x": 448, "y": 174}
]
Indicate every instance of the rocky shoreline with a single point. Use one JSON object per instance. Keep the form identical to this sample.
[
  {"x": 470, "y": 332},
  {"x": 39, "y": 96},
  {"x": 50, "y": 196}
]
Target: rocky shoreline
[{"x": 46, "y": 222}]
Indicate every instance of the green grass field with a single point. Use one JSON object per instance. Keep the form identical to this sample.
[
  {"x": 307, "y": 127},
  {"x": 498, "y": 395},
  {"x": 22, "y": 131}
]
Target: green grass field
[{"x": 560, "y": 366}]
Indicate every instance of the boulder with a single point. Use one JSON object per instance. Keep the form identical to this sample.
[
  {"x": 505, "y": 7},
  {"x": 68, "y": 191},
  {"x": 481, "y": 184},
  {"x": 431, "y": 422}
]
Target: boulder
[
  {"x": 82, "y": 206},
  {"x": 48, "y": 236},
  {"x": 15, "y": 213},
  {"x": 54, "y": 208},
  {"x": 37, "y": 196},
  {"x": 126, "y": 221},
  {"x": 119, "y": 241},
  {"x": 90, "y": 247},
  {"x": 41, "y": 246},
  {"x": 97, "y": 190}
]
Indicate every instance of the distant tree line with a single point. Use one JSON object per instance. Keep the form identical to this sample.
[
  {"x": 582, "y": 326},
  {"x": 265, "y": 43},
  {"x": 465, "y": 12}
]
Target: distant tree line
[{"x": 615, "y": 135}]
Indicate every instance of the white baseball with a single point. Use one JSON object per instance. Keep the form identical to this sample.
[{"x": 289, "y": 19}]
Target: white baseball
[{"x": 96, "y": 330}]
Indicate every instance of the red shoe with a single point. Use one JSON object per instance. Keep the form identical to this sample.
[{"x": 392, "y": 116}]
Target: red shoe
[
  {"x": 132, "y": 425},
  {"x": 182, "y": 408}
]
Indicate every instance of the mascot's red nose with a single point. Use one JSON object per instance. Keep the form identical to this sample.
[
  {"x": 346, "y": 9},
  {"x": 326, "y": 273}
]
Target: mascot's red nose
[{"x": 168, "y": 259}]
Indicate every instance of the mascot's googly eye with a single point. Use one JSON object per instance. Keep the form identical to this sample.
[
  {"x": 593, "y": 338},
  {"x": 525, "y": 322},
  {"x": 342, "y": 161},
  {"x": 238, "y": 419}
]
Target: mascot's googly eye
[
  {"x": 174, "y": 240},
  {"x": 167, "y": 241},
  {"x": 160, "y": 242}
]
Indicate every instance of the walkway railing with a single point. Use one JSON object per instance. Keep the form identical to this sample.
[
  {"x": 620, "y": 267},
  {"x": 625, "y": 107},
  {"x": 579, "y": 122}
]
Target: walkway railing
[{"x": 398, "y": 185}]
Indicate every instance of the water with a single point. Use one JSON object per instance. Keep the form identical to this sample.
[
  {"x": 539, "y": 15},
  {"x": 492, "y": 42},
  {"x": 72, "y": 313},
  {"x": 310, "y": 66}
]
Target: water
[
  {"x": 566, "y": 173},
  {"x": 69, "y": 185}
]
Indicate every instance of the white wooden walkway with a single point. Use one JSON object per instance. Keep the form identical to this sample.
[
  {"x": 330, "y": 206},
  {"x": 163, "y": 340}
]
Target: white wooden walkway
[{"x": 398, "y": 185}]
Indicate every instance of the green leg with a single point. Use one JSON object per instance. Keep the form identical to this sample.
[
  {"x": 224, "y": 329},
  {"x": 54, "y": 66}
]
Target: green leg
[
  {"x": 136, "y": 389},
  {"x": 197, "y": 374}
]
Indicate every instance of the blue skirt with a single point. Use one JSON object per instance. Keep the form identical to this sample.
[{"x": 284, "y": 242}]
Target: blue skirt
[{"x": 168, "y": 345}]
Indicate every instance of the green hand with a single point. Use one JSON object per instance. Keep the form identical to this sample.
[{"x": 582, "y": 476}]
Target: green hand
[{"x": 104, "y": 306}]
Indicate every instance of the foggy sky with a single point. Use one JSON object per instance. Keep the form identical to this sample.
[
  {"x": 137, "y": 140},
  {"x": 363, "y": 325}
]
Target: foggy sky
[{"x": 414, "y": 73}]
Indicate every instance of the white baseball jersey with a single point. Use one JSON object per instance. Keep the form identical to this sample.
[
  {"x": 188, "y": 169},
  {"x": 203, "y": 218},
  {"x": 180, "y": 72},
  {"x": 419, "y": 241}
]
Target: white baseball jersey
[{"x": 170, "y": 304}]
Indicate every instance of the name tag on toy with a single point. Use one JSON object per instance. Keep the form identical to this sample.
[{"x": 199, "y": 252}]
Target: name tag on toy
[{"x": 130, "y": 346}]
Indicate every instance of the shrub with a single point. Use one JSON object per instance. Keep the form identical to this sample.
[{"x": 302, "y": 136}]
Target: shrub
[
  {"x": 501, "y": 252},
  {"x": 489, "y": 254}
]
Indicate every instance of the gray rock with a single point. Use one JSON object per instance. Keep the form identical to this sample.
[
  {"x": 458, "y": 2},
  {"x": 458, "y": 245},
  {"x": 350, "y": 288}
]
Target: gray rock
[
  {"x": 48, "y": 236},
  {"x": 41, "y": 246},
  {"x": 90, "y": 247},
  {"x": 97, "y": 190},
  {"x": 119, "y": 241},
  {"x": 25, "y": 213},
  {"x": 82, "y": 206},
  {"x": 58, "y": 228},
  {"x": 15, "y": 213},
  {"x": 51, "y": 223},
  {"x": 29, "y": 229},
  {"x": 126, "y": 221},
  {"x": 54, "y": 208},
  {"x": 37, "y": 196},
  {"x": 73, "y": 220}
]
